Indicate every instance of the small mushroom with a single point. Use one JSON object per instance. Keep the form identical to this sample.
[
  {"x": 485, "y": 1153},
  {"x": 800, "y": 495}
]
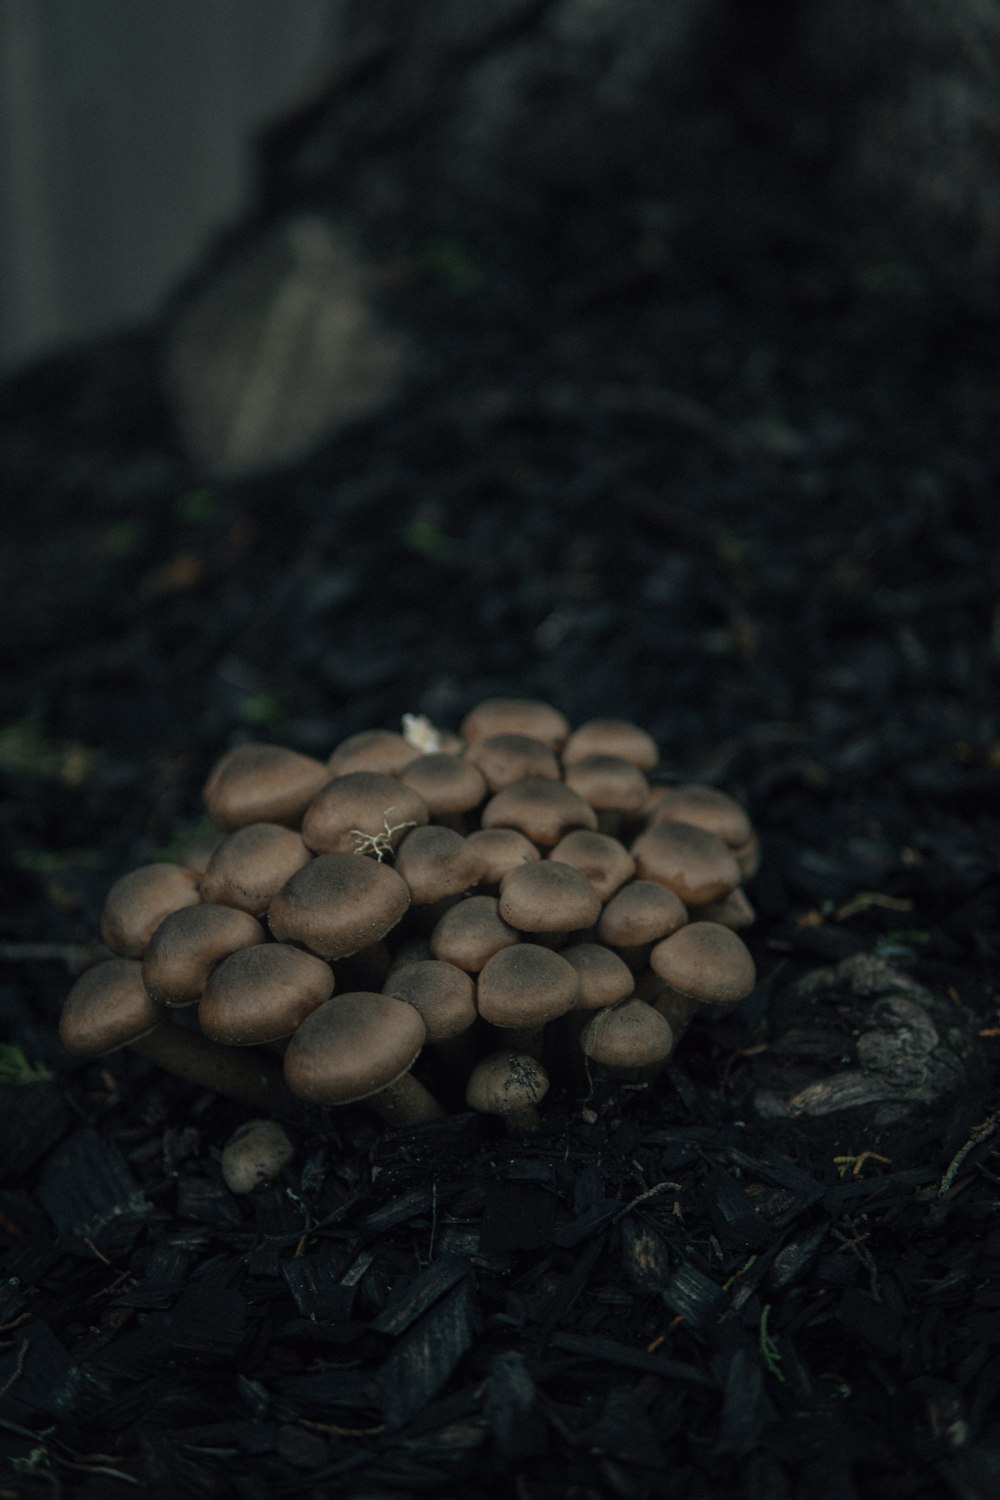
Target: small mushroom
[
  {"x": 695, "y": 864},
  {"x": 618, "y": 737},
  {"x": 508, "y": 1084},
  {"x": 256, "y": 1153},
  {"x": 639, "y": 915},
  {"x": 549, "y": 900},
  {"x": 363, "y": 812},
  {"x": 515, "y": 716},
  {"x": 445, "y": 996},
  {"x": 188, "y": 944},
  {"x": 471, "y": 932},
  {"x": 450, "y": 785},
  {"x": 261, "y": 784},
  {"x": 250, "y": 865},
  {"x": 436, "y": 863},
  {"x": 359, "y": 1048},
  {"x": 338, "y": 904},
  {"x": 108, "y": 1008},
  {"x": 601, "y": 860},
  {"x": 733, "y": 911},
  {"x": 613, "y": 787},
  {"x": 505, "y": 758},
  {"x": 521, "y": 989},
  {"x": 702, "y": 964},
  {"x": 261, "y": 995},
  {"x": 628, "y": 1043},
  {"x": 380, "y": 750},
  {"x": 138, "y": 902},
  {"x": 704, "y": 807},
  {"x": 544, "y": 811},
  {"x": 502, "y": 849}
]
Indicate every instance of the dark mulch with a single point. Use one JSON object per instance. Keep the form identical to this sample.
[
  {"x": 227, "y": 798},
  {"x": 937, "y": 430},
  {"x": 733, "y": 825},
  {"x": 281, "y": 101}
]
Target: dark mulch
[{"x": 748, "y": 499}]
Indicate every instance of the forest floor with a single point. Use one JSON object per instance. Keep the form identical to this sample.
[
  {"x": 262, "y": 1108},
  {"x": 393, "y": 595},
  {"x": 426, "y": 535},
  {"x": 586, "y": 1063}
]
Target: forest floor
[{"x": 748, "y": 501}]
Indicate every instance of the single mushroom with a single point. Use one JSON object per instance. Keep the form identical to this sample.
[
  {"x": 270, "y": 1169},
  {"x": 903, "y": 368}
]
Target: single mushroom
[
  {"x": 618, "y": 737},
  {"x": 508, "y": 1084},
  {"x": 363, "y": 812},
  {"x": 437, "y": 863},
  {"x": 601, "y": 860},
  {"x": 471, "y": 932},
  {"x": 733, "y": 911},
  {"x": 521, "y": 989},
  {"x": 138, "y": 902},
  {"x": 450, "y": 785},
  {"x": 515, "y": 716},
  {"x": 549, "y": 900},
  {"x": 261, "y": 784},
  {"x": 261, "y": 995},
  {"x": 604, "y": 981},
  {"x": 338, "y": 904},
  {"x": 628, "y": 1043},
  {"x": 544, "y": 811},
  {"x": 445, "y": 996},
  {"x": 695, "y": 864},
  {"x": 502, "y": 849},
  {"x": 108, "y": 1008},
  {"x": 188, "y": 944},
  {"x": 505, "y": 758},
  {"x": 704, "y": 807},
  {"x": 615, "y": 788},
  {"x": 380, "y": 750},
  {"x": 251, "y": 865},
  {"x": 359, "y": 1048},
  {"x": 704, "y": 964},
  {"x": 639, "y": 915},
  {"x": 255, "y": 1153}
]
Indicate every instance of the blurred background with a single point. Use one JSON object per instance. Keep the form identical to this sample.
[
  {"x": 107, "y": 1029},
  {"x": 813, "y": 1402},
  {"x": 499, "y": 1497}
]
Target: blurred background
[{"x": 127, "y": 133}]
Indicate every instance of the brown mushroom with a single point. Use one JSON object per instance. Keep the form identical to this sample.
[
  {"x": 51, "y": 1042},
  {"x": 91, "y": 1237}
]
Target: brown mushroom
[
  {"x": 508, "y": 1084},
  {"x": 138, "y": 902},
  {"x": 251, "y": 865},
  {"x": 380, "y": 750},
  {"x": 363, "y": 812},
  {"x": 445, "y": 996},
  {"x": 505, "y": 758},
  {"x": 639, "y": 915},
  {"x": 544, "y": 811},
  {"x": 108, "y": 1008},
  {"x": 359, "y": 1048},
  {"x": 627, "y": 1043},
  {"x": 436, "y": 863},
  {"x": 702, "y": 964},
  {"x": 188, "y": 944},
  {"x": 549, "y": 900},
  {"x": 515, "y": 716},
  {"x": 733, "y": 911},
  {"x": 261, "y": 784},
  {"x": 601, "y": 860},
  {"x": 471, "y": 932},
  {"x": 613, "y": 787},
  {"x": 696, "y": 865},
  {"x": 338, "y": 904},
  {"x": 450, "y": 785},
  {"x": 502, "y": 849},
  {"x": 261, "y": 995},
  {"x": 617, "y": 737},
  {"x": 704, "y": 807},
  {"x": 520, "y": 989}
]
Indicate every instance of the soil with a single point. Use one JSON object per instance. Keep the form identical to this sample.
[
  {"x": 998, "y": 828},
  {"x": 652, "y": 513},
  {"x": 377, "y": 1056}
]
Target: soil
[{"x": 743, "y": 493}]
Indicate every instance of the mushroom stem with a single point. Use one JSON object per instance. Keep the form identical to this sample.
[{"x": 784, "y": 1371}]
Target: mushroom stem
[
  {"x": 247, "y": 1076},
  {"x": 405, "y": 1101}
]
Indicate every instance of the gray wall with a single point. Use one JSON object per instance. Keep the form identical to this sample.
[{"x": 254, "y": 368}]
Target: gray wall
[{"x": 125, "y": 128}]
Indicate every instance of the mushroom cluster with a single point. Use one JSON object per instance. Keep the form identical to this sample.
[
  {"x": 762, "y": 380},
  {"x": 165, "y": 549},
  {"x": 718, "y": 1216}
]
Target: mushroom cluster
[{"x": 516, "y": 902}]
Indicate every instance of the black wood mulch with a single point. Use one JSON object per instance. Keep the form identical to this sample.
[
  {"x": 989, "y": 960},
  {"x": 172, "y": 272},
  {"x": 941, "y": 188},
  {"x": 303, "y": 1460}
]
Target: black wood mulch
[{"x": 749, "y": 501}]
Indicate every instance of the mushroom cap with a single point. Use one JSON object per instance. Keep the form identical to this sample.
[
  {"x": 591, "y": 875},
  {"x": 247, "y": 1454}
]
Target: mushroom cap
[
  {"x": 544, "y": 811},
  {"x": 611, "y": 737},
  {"x": 138, "y": 902},
  {"x": 733, "y": 911},
  {"x": 704, "y": 807},
  {"x": 353, "y": 1046},
  {"x": 256, "y": 1152},
  {"x": 526, "y": 986},
  {"x": 449, "y": 784},
  {"x": 444, "y": 995},
  {"x": 471, "y": 932},
  {"x": 643, "y": 911},
  {"x": 608, "y": 783},
  {"x": 604, "y": 977},
  {"x": 188, "y": 944},
  {"x": 381, "y": 750},
  {"x": 503, "y": 849},
  {"x": 706, "y": 962},
  {"x": 629, "y": 1035},
  {"x": 548, "y": 897},
  {"x": 695, "y": 864},
  {"x": 505, "y": 758},
  {"x": 250, "y": 865},
  {"x": 602, "y": 861},
  {"x": 747, "y": 856},
  {"x": 515, "y": 716},
  {"x": 436, "y": 862},
  {"x": 107, "y": 1008},
  {"x": 359, "y": 805},
  {"x": 262, "y": 994},
  {"x": 338, "y": 904},
  {"x": 261, "y": 784},
  {"x": 504, "y": 1082}
]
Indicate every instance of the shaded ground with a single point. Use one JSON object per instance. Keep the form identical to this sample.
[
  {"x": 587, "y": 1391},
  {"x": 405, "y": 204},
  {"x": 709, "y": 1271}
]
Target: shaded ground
[{"x": 745, "y": 497}]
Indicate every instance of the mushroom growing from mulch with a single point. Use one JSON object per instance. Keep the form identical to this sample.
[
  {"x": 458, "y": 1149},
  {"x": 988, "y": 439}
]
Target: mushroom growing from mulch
[{"x": 536, "y": 867}]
